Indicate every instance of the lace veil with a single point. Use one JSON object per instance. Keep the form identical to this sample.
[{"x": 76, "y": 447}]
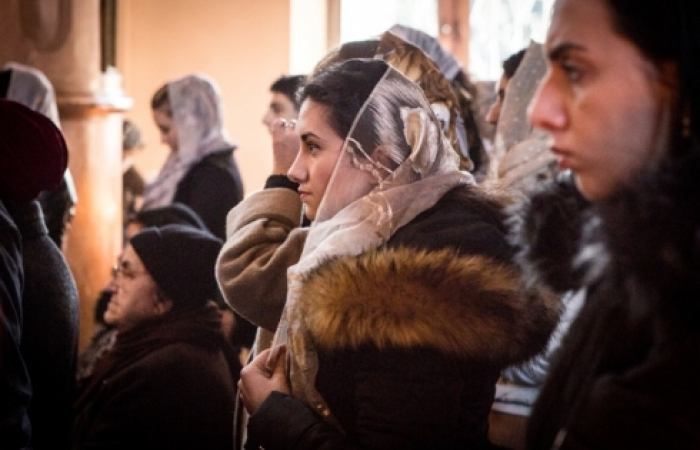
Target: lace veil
[
  {"x": 397, "y": 140},
  {"x": 409, "y": 59},
  {"x": 197, "y": 112},
  {"x": 523, "y": 158}
]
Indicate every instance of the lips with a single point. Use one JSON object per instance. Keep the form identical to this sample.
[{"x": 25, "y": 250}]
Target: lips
[{"x": 564, "y": 158}]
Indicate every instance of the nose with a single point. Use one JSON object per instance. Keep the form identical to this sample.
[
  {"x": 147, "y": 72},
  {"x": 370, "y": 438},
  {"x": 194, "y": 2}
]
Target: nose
[
  {"x": 112, "y": 285},
  {"x": 297, "y": 171},
  {"x": 267, "y": 118},
  {"x": 547, "y": 110}
]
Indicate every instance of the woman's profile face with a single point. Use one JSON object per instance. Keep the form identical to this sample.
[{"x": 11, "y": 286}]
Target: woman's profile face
[
  {"x": 602, "y": 101},
  {"x": 166, "y": 126},
  {"x": 316, "y": 161}
]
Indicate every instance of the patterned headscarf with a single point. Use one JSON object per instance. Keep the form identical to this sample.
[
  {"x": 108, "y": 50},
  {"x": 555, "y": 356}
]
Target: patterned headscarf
[
  {"x": 196, "y": 108},
  {"x": 416, "y": 65}
]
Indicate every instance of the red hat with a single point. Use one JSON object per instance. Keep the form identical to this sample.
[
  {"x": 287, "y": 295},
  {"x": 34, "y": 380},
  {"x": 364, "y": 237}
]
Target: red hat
[{"x": 33, "y": 153}]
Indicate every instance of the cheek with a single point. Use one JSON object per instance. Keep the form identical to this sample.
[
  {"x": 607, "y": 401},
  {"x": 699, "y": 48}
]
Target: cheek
[{"x": 321, "y": 172}]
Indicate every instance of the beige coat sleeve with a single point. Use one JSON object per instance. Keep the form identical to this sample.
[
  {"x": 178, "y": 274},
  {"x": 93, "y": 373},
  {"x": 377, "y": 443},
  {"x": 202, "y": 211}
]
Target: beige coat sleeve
[{"x": 263, "y": 240}]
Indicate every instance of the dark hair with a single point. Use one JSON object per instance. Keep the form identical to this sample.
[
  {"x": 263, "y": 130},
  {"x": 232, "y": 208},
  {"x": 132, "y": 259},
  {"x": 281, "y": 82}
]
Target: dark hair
[
  {"x": 510, "y": 65},
  {"x": 668, "y": 31},
  {"x": 343, "y": 88},
  {"x": 161, "y": 100},
  {"x": 289, "y": 86},
  {"x": 350, "y": 50},
  {"x": 664, "y": 32}
]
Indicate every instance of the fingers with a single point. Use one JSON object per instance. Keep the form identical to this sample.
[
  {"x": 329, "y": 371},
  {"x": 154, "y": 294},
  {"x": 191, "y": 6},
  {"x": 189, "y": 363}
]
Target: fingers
[
  {"x": 277, "y": 361},
  {"x": 249, "y": 374},
  {"x": 265, "y": 374},
  {"x": 282, "y": 126},
  {"x": 259, "y": 364},
  {"x": 285, "y": 145}
]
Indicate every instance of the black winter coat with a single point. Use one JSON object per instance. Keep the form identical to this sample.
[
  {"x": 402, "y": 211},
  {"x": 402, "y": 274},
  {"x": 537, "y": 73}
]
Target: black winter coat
[
  {"x": 411, "y": 337},
  {"x": 211, "y": 188},
  {"x": 15, "y": 387},
  {"x": 626, "y": 375},
  {"x": 165, "y": 384},
  {"x": 50, "y": 333}
]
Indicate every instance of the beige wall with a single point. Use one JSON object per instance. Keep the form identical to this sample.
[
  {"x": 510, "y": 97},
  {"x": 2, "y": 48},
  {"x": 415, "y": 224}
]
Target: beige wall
[{"x": 242, "y": 44}]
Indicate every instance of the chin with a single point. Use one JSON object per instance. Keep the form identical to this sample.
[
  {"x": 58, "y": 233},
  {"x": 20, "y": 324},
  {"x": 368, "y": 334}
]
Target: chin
[
  {"x": 592, "y": 190},
  {"x": 310, "y": 214}
]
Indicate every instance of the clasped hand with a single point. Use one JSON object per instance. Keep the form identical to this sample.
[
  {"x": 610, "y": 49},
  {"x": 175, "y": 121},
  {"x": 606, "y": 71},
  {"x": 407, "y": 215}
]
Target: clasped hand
[{"x": 266, "y": 373}]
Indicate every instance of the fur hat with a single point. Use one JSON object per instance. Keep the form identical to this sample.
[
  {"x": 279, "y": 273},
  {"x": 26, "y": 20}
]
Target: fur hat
[
  {"x": 180, "y": 259},
  {"x": 33, "y": 153}
]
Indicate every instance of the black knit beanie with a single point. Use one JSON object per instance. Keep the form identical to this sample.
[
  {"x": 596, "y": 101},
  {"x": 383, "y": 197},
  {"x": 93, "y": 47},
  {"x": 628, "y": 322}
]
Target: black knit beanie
[
  {"x": 172, "y": 214},
  {"x": 181, "y": 260}
]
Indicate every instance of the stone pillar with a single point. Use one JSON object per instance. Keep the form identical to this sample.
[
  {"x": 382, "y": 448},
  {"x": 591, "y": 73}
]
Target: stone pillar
[{"x": 62, "y": 39}]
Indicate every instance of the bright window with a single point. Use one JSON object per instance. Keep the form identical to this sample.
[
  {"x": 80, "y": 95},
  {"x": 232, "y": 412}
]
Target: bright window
[
  {"x": 498, "y": 28},
  {"x": 364, "y": 19}
]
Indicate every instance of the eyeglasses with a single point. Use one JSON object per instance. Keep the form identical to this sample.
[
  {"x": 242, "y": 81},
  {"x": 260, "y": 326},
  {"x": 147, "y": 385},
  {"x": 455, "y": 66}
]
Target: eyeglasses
[{"x": 122, "y": 267}]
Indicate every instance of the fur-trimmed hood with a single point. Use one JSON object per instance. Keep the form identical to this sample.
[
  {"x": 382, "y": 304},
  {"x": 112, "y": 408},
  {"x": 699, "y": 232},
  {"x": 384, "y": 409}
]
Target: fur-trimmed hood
[
  {"x": 468, "y": 306},
  {"x": 547, "y": 230},
  {"x": 647, "y": 237}
]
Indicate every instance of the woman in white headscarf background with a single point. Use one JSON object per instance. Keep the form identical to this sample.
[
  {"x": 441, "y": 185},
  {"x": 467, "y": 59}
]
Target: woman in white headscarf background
[
  {"x": 404, "y": 304},
  {"x": 200, "y": 170}
]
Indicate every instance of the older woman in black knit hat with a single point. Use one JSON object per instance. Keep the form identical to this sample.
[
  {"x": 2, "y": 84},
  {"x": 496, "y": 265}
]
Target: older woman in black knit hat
[{"x": 167, "y": 382}]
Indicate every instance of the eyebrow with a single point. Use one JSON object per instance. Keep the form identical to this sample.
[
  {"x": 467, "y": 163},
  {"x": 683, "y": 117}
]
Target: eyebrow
[
  {"x": 305, "y": 136},
  {"x": 558, "y": 51}
]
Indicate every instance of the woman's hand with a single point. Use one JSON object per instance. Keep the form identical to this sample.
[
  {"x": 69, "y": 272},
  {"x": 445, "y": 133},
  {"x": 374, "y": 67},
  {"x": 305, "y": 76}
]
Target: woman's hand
[
  {"x": 285, "y": 145},
  {"x": 266, "y": 373}
]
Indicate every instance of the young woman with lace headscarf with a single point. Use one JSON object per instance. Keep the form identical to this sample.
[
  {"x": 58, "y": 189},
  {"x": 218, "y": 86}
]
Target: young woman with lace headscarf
[
  {"x": 403, "y": 305},
  {"x": 252, "y": 266},
  {"x": 200, "y": 171}
]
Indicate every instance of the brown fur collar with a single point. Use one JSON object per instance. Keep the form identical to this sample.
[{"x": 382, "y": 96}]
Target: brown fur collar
[{"x": 468, "y": 306}]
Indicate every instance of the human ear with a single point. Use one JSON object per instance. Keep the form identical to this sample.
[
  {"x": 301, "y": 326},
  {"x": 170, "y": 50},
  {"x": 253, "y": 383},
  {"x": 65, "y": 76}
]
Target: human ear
[{"x": 163, "y": 306}]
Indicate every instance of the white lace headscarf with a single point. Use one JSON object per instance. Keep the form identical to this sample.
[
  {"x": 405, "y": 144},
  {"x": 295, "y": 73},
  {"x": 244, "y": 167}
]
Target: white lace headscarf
[
  {"x": 398, "y": 140},
  {"x": 522, "y": 158},
  {"x": 30, "y": 87},
  {"x": 197, "y": 113}
]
